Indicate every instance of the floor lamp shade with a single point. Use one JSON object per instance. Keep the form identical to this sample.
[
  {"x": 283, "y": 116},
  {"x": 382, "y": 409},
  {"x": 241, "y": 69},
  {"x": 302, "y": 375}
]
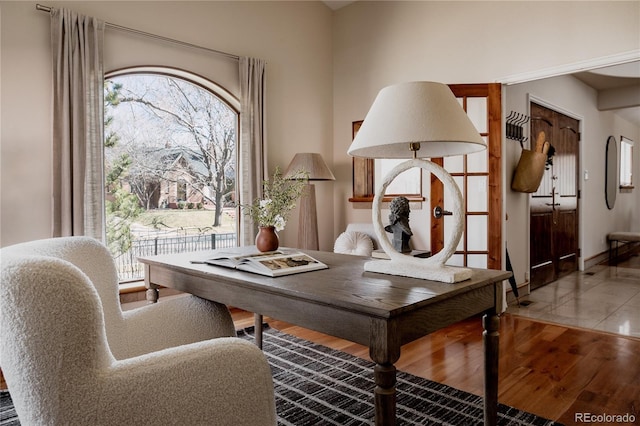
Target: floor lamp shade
[
  {"x": 311, "y": 163},
  {"x": 417, "y": 120},
  {"x": 315, "y": 167}
]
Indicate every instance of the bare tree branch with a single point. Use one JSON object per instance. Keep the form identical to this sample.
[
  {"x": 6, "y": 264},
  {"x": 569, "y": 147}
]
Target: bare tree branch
[{"x": 199, "y": 122}]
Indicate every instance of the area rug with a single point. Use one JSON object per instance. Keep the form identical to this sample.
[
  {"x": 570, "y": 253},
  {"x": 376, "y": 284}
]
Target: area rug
[{"x": 316, "y": 385}]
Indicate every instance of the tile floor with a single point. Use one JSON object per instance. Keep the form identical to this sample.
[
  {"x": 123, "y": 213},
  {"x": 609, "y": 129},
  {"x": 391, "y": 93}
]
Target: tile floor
[{"x": 605, "y": 298}]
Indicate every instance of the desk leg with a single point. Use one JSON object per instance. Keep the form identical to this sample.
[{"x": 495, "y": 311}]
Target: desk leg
[
  {"x": 385, "y": 394},
  {"x": 152, "y": 294},
  {"x": 384, "y": 350},
  {"x": 258, "y": 329},
  {"x": 490, "y": 338}
]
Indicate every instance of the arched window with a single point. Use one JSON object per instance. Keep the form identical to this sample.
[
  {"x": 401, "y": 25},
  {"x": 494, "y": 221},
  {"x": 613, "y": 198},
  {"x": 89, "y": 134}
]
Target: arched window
[{"x": 170, "y": 167}]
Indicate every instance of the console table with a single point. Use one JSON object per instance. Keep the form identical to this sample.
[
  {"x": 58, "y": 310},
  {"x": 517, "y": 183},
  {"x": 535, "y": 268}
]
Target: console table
[{"x": 380, "y": 311}]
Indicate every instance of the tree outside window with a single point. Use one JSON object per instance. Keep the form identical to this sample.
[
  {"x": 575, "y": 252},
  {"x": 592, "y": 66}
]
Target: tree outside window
[{"x": 170, "y": 163}]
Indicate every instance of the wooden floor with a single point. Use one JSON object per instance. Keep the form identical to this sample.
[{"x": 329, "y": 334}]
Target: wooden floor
[{"x": 547, "y": 369}]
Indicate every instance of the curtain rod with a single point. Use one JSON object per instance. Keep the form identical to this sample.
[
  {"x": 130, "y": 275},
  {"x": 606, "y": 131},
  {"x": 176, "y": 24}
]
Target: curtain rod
[{"x": 158, "y": 37}]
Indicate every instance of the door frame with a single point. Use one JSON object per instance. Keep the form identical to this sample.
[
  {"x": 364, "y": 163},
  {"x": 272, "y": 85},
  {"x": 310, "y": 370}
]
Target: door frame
[{"x": 495, "y": 184}]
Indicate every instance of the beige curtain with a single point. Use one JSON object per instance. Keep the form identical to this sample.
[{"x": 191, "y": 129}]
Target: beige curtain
[
  {"x": 252, "y": 139},
  {"x": 78, "y": 124}
]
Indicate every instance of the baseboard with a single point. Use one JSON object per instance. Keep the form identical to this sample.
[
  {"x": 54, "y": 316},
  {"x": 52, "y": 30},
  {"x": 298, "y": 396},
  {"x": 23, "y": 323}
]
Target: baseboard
[
  {"x": 624, "y": 249},
  {"x": 131, "y": 287},
  {"x": 141, "y": 295},
  {"x": 523, "y": 290},
  {"x": 596, "y": 260}
]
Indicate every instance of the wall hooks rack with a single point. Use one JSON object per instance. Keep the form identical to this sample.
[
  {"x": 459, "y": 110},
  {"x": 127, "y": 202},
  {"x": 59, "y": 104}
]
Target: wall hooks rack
[{"x": 515, "y": 127}]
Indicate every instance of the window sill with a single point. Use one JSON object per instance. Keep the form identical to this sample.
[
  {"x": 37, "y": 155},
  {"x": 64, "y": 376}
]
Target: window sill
[
  {"x": 386, "y": 199},
  {"x": 131, "y": 287}
]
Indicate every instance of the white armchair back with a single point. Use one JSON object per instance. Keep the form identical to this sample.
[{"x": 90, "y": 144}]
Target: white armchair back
[{"x": 150, "y": 328}]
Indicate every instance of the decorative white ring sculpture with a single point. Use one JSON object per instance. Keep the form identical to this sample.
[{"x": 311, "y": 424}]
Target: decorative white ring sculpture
[{"x": 433, "y": 267}]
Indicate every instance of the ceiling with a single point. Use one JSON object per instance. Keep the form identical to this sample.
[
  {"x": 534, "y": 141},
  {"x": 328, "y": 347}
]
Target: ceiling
[{"x": 620, "y": 84}]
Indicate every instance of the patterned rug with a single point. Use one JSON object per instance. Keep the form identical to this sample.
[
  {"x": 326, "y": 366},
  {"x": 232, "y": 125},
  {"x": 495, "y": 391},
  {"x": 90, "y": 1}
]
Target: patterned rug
[
  {"x": 7, "y": 412},
  {"x": 316, "y": 385}
]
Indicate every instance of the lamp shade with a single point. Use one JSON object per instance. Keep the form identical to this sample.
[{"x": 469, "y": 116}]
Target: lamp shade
[
  {"x": 312, "y": 163},
  {"x": 421, "y": 112}
]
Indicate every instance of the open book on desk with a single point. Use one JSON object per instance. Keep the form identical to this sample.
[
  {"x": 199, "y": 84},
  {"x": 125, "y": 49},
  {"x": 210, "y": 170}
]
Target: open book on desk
[{"x": 271, "y": 264}]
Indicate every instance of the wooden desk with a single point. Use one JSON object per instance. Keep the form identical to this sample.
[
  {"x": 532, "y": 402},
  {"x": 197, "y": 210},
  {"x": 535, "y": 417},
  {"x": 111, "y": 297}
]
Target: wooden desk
[{"x": 380, "y": 311}]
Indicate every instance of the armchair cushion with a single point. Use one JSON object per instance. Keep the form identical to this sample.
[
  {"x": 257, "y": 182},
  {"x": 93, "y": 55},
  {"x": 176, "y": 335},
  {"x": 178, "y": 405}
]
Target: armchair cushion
[
  {"x": 174, "y": 322},
  {"x": 228, "y": 382}
]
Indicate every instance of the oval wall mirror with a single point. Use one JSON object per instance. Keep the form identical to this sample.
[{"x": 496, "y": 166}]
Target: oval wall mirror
[{"x": 611, "y": 173}]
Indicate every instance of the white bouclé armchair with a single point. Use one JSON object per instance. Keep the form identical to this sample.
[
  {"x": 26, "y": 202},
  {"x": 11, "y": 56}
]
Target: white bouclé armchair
[
  {"x": 174, "y": 322},
  {"x": 57, "y": 358}
]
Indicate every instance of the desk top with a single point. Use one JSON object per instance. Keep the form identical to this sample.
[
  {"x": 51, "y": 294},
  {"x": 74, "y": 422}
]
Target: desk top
[{"x": 344, "y": 285}]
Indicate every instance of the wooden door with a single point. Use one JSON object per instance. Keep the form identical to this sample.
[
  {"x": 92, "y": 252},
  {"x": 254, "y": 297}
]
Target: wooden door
[
  {"x": 554, "y": 207},
  {"x": 479, "y": 177}
]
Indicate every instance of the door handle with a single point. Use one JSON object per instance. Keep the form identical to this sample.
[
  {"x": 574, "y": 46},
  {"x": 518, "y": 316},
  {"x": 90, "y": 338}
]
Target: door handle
[
  {"x": 438, "y": 212},
  {"x": 553, "y": 196}
]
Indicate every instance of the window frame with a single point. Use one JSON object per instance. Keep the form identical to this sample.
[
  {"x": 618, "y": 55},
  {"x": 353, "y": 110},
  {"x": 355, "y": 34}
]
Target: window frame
[
  {"x": 626, "y": 163},
  {"x": 230, "y": 100},
  {"x": 366, "y": 170},
  {"x": 221, "y": 92}
]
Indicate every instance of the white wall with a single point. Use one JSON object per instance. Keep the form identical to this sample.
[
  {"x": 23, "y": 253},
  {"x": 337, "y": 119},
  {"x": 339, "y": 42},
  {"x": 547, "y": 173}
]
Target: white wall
[
  {"x": 381, "y": 43},
  {"x": 293, "y": 37}
]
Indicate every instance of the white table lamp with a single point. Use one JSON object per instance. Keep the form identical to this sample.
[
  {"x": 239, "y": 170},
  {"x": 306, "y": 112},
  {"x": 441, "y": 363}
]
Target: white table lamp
[
  {"x": 417, "y": 120},
  {"x": 317, "y": 169}
]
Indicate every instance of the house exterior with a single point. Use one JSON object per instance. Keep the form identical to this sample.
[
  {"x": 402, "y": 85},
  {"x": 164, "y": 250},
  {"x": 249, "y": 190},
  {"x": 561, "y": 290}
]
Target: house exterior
[{"x": 179, "y": 186}]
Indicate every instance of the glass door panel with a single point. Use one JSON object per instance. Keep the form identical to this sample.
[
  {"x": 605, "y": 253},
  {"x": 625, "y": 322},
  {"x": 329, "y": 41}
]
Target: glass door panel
[
  {"x": 477, "y": 195},
  {"x": 477, "y": 232},
  {"x": 481, "y": 242},
  {"x": 478, "y": 161}
]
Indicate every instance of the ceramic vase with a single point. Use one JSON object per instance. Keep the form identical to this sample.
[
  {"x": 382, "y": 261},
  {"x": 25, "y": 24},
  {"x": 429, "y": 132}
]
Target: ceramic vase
[{"x": 267, "y": 239}]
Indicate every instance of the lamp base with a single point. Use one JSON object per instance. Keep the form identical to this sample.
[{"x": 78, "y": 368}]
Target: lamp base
[
  {"x": 308, "y": 223},
  {"x": 442, "y": 273},
  {"x": 432, "y": 268}
]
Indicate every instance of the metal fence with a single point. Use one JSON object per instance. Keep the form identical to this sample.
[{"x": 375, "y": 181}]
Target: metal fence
[{"x": 130, "y": 269}]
